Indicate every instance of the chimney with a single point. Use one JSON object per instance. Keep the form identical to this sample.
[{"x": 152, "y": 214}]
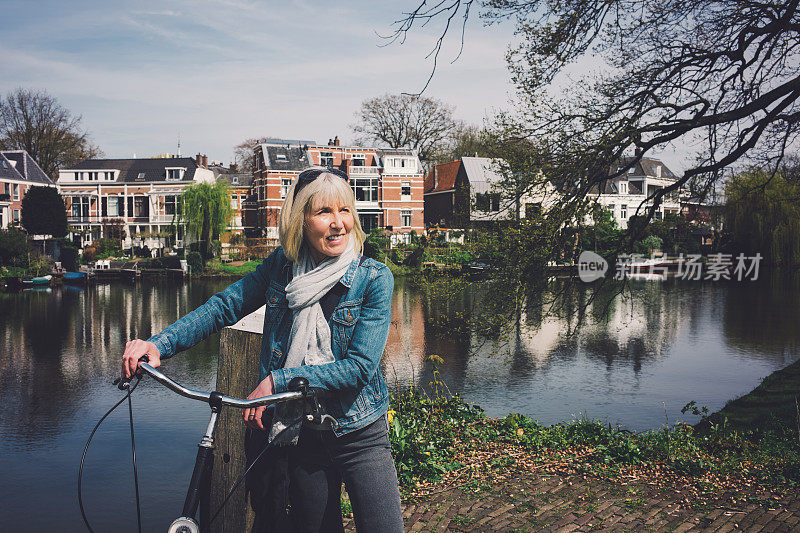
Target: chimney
[
  {"x": 336, "y": 141},
  {"x": 205, "y": 161},
  {"x": 330, "y": 142},
  {"x": 199, "y": 160},
  {"x": 234, "y": 166}
]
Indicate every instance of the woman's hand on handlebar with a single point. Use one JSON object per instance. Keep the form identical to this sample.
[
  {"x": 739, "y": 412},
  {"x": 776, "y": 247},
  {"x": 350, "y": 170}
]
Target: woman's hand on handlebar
[
  {"x": 134, "y": 350},
  {"x": 252, "y": 416}
]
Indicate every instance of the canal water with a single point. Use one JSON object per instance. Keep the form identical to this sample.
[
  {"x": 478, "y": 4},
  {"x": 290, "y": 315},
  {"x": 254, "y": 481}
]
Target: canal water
[{"x": 634, "y": 359}]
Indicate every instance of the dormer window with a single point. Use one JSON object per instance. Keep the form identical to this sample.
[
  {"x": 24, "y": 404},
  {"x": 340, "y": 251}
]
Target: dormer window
[
  {"x": 109, "y": 176},
  {"x": 140, "y": 177},
  {"x": 280, "y": 157},
  {"x": 359, "y": 160},
  {"x": 326, "y": 159},
  {"x": 235, "y": 180},
  {"x": 631, "y": 170},
  {"x": 173, "y": 174}
]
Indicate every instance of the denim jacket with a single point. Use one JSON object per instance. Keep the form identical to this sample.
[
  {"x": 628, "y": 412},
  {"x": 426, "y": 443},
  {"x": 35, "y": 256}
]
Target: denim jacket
[{"x": 356, "y": 392}]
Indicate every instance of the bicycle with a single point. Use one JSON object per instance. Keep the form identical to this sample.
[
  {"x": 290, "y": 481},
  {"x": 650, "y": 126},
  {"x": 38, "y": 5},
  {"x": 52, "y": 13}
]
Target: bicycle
[{"x": 199, "y": 491}]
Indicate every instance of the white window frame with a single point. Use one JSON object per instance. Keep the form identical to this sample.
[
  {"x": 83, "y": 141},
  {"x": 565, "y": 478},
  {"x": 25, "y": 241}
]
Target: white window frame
[
  {"x": 15, "y": 189},
  {"x": 325, "y": 156},
  {"x": 405, "y": 216},
  {"x": 623, "y": 211},
  {"x": 403, "y": 185},
  {"x": 172, "y": 171},
  {"x": 286, "y": 184}
]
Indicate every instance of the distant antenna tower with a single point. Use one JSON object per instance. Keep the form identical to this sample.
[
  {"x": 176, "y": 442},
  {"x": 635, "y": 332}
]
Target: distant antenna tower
[{"x": 179, "y": 145}]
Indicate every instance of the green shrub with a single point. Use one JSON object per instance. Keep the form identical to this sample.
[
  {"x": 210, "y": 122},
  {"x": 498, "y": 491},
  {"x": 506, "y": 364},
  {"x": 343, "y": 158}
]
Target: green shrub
[
  {"x": 13, "y": 248},
  {"x": 69, "y": 258},
  {"x": 195, "y": 261}
]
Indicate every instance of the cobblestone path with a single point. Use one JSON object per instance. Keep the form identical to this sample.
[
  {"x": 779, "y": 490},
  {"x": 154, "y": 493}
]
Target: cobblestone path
[{"x": 536, "y": 502}]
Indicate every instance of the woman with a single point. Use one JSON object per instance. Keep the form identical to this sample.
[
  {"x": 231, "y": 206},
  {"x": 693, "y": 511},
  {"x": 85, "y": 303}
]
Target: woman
[{"x": 327, "y": 319}]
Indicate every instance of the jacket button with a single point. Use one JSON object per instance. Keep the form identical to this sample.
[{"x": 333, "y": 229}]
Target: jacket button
[{"x": 273, "y": 300}]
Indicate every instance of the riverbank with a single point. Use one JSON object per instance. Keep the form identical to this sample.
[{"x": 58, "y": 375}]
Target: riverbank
[
  {"x": 774, "y": 403},
  {"x": 462, "y": 471}
]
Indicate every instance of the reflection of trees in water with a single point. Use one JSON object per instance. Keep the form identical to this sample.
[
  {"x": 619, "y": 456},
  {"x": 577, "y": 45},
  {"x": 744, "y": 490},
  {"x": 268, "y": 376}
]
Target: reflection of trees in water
[
  {"x": 564, "y": 321},
  {"x": 57, "y": 347},
  {"x": 761, "y": 318}
]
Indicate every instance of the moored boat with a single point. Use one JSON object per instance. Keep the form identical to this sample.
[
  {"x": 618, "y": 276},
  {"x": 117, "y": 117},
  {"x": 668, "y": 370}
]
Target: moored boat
[
  {"x": 74, "y": 277},
  {"x": 37, "y": 281}
]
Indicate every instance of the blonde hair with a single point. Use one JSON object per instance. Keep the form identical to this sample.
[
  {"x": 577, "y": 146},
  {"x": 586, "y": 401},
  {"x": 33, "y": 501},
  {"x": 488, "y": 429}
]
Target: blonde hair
[{"x": 326, "y": 189}]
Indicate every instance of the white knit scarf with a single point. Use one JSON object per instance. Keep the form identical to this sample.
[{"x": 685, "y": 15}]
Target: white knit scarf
[{"x": 310, "y": 338}]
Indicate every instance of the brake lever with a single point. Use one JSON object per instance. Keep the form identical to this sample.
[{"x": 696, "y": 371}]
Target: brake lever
[{"x": 124, "y": 383}]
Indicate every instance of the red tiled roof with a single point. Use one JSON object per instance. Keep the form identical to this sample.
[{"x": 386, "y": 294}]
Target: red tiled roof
[{"x": 445, "y": 176}]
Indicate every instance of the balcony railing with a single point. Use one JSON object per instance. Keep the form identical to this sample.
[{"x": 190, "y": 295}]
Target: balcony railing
[{"x": 364, "y": 170}]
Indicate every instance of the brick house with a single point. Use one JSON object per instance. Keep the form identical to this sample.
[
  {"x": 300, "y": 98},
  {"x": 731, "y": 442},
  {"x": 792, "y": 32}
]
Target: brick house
[
  {"x": 387, "y": 182},
  {"x": 18, "y": 173},
  {"x": 140, "y": 196},
  {"x": 464, "y": 193}
]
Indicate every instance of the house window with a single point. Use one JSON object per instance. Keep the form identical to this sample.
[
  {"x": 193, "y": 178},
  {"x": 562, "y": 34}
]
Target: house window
[
  {"x": 109, "y": 206},
  {"x": 235, "y": 180},
  {"x": 109, "y": 176},
  {"x": 623, "y": 211},
  {"x": 533, "y": 210},
  {"x": 93, "y": 176},
  {"x": 359, "y": 160},
  {"x": 171, "y": 205},
  {"x": 173, "y": 174},
  {"x": 405, "y": 217},
  {"x": 16, "y": 216},
  {"x": 326, "y": 159},
  {"x": 365, "y": 189},
  {"x": 630, "y": 170},
  {"x": 79, "y": 176},
  {"x": 405, "y": 188},
  {"x": 286, "y": 183},
  {"x": 623, "y": 187},
  {"x": 80, "y": 207},
  {"x": 16, "y": 191},
  {"x": 487, "y": 201},
  {"x": 234, "y": 202}
]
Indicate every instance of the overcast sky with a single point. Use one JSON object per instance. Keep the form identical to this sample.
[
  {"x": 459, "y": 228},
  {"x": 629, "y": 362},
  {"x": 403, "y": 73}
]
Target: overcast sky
[{"x": 217, "y": 72}]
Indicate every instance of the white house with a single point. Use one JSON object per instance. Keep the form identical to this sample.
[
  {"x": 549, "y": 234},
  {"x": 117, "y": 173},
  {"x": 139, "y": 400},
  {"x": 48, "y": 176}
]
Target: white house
[{"x": 626, "y": 194}]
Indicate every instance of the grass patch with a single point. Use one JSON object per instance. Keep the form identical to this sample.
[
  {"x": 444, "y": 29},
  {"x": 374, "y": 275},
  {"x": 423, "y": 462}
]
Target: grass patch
[
  {"x": 215, "y": 266},
  {"x": 444, "y": 439}
]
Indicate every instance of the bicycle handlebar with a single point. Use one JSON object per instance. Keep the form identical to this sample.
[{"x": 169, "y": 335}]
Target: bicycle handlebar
[{"x": 226, "y": 400}]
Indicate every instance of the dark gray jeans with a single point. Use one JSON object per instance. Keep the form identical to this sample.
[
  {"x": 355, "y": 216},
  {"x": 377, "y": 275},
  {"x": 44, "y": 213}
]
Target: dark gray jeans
[{"x": 363, "y": 459}]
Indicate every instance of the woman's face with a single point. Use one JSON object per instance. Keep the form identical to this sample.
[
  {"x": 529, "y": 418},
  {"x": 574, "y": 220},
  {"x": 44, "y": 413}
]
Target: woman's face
[{"x": 327, "y": 230}]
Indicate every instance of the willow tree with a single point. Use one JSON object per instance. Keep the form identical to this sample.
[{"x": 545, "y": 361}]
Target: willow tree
[
  {"x": 206, "y": 211},
  {"x": 763, "y": 216}
]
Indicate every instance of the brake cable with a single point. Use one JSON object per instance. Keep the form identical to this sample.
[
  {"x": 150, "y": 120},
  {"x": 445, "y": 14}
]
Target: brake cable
[
  {"x": 127, "y": 396},
  {"x": 130, "y": 389}
]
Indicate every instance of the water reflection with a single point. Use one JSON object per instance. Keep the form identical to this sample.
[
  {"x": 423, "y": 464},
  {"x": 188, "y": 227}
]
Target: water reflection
[
  {"x": 653, "y": 343},
  {"x": 615, "y": 355}
]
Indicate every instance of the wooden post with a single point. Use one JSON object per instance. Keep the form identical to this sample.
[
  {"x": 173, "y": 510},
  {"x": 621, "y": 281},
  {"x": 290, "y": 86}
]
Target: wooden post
[{"x": 237, "y": 375}]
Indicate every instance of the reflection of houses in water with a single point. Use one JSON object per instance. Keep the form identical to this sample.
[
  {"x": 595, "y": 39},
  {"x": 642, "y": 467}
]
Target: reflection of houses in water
[
  {"x": 403, "y": 359},
  {"x": 637, "y": 326}
]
